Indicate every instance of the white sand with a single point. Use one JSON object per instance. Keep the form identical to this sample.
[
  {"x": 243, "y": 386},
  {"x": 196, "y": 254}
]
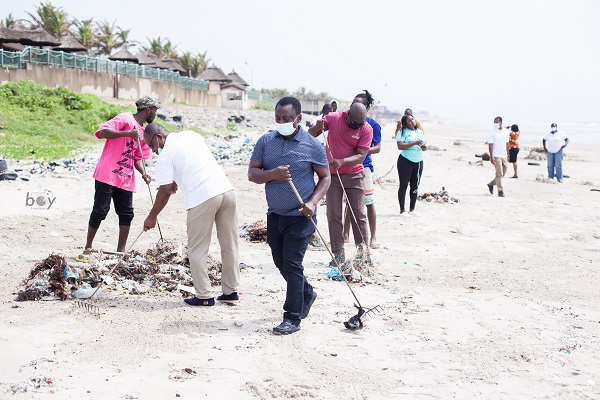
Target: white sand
[{"x": 532, "y": 258}]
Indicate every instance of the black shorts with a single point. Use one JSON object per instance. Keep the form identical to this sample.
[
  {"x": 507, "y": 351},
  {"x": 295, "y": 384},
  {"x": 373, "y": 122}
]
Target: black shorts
[
  {"x": 512, "y": 155},
  {"x": 122, "y": 199}
]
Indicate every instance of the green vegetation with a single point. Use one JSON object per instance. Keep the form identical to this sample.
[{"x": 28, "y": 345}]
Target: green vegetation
[
  {"x": 232, "y": 126},
  {"x": 44, "y": 123},
  {"x": 198, "y": 130},
  {"x": 265, "y": 105}
]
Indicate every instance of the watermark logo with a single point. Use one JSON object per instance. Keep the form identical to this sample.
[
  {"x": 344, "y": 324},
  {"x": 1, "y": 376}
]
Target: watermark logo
[{"x": 42, "y": 200}]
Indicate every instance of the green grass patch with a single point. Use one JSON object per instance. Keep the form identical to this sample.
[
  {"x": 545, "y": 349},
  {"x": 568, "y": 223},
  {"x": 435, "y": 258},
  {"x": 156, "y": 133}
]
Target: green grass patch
[
  {"x": 265, "y": 105},
  {"x": 200, "y": 131},
  {"x": 44, "y": 123}
]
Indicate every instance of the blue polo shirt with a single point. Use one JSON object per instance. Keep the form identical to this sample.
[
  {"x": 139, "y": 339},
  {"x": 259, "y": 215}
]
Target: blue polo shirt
[
  {"x": 376, "y": 139},
  {"x": 302, "y": 153}
]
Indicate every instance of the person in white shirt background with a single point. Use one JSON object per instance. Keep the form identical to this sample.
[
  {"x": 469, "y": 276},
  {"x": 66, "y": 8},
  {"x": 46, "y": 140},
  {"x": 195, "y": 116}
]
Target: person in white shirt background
[
  {"x": 498, "y": 144},
  {"x": 554, "y": 143},
  {"x": 185, "y": 162}
]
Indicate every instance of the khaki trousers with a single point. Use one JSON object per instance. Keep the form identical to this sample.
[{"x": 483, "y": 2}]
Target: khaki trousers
[
  {"x": 501, "y": 166},
  {"x": 355, "y": 189},
  {"x": 220, "y": 210}
]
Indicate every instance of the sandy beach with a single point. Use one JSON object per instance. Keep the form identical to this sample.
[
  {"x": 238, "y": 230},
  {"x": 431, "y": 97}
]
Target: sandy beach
[{"x": 490, "y": 298}]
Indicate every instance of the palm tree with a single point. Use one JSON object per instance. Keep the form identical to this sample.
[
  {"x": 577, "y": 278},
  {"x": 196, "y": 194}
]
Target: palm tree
[
  {"x": 123, "y": 37},
  {"x": 9, "y": 21},
  {"x": 155, "y": 46},
  {"x": 106, "y": 37},
  {"x": 200, "y": 64},
  {"x": 85, "y": 32},
  {"x": 169, "y": 50},
  {"x": 187, "y": 62},
  {"x": 51, "y": 18}
]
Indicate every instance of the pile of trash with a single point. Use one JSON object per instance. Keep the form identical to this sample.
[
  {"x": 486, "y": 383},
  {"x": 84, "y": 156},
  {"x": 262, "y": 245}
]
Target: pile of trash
[
  {"x": 357, "y": 269},
  {"x": 162, "y": 268},
  {"x": 255, "y": 233},
  {"x": 231, "y": 149},
  {"x": 439, "y": 197},
  {"x": 537, "y": 153}
]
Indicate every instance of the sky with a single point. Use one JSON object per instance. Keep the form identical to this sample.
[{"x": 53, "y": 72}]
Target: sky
[{"x": 526, "y": 60}]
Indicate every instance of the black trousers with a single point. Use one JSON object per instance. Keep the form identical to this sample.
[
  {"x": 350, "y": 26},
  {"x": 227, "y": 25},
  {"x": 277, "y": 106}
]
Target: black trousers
[
  {"x": 408, "y": 172},
  {"x": 288, "y": 238},
  {"x": 122, "y": 199}
]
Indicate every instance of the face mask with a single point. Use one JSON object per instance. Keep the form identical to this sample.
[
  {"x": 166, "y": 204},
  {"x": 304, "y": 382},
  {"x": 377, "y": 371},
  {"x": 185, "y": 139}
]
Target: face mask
[
  {"x": 159, "y": 150},
  {"x": 554, "y": 129},
  {"x": 285, "y": 129},
  {"x": 496, "y": 125}
]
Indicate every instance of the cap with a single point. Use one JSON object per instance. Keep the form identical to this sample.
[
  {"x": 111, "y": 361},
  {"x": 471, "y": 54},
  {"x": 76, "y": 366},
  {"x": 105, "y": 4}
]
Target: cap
[
  {"x": 553, "y": 124},
  {"x": 147, "y": 101}
]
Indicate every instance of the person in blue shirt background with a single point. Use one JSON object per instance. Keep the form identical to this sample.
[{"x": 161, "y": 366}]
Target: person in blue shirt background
[
  {"x": 367, "y": 100},
  {"x": 411, "y": 141}
]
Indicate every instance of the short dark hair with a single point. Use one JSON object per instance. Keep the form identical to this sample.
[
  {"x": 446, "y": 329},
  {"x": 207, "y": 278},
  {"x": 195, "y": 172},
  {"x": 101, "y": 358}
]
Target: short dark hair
[
  {"x": 327, "y": 107},
  {"x": 514, "y": 128},
  {"x": 294, "y": 102},
  {"x": 500, "y": 118},
  {"x": 368, "y": 97}
]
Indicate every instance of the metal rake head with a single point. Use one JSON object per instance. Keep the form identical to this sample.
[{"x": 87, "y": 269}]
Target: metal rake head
[
  {"x": 88, "y": 306},
  {"x": 355, "y": 322}
]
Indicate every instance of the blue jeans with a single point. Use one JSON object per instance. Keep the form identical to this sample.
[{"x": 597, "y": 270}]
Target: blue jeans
[
  {"x": 555, "y": 161},
  {"x": 288, "y": 238}
]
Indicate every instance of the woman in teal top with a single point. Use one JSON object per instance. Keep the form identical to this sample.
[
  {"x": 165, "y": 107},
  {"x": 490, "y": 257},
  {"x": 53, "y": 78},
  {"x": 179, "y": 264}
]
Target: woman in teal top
[{"x": 411, "y": 142}]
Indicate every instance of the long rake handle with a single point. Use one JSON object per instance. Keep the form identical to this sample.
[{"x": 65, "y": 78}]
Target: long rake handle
[
  {"x": 325, "y": 244},
  {"x": 117, "y": 264},
  {"x": 147, "y": 184}
]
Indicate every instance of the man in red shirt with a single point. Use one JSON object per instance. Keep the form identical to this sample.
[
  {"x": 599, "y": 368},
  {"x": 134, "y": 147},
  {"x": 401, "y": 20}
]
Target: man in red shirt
[{"x": 347, "y": 146}]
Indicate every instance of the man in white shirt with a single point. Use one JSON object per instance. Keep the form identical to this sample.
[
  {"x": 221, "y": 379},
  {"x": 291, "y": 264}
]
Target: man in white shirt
[
  {"x": 185, "y": 161},
  {"x": 498, "y": 144},
  {"x": 554, "y": 143}
]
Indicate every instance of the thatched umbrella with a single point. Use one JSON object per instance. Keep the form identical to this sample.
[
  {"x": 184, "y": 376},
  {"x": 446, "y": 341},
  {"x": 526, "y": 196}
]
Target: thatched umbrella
[
  {"x": 70, "y": 44},
  {"x": 28, "y": 37},
  {"x": 124, "y": 55},
  {"x": 146, "y": 57},
  {"x": 173, "y": 65},
  {"x": 235, "y": 78},
  {"x": 214, "y": 74}
]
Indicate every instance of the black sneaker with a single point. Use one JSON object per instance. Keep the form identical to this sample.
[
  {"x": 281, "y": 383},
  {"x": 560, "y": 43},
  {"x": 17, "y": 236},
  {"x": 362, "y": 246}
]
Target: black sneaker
[
  {"x": 500, "y": 194},
  {"x": 194, "y": 301},
  {"x": 286, "y": 327},
  {"x": 340, "y": 258},
  {"x": 491, "y": 187},
  {"x": 308, "y": 305},
  {"x": 229, "y": 298}
]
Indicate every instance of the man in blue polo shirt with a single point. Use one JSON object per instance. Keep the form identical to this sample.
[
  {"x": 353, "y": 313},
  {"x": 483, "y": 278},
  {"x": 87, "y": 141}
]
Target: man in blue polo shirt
[{"x": 290, "y": 153}]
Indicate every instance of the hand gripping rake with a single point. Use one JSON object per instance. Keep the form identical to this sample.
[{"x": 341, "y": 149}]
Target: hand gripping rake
[
  {"x": 354, "y": 322},
  {"x": 87, "y": 303},
  {"x": 147, "y": 184}
]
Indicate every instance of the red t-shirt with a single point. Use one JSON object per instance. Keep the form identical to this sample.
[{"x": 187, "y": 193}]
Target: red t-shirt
[{"x": 343, "y": 142}]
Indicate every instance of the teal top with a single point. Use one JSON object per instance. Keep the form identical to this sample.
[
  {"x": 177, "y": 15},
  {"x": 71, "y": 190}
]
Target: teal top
[{"x": 413, "y": 153}]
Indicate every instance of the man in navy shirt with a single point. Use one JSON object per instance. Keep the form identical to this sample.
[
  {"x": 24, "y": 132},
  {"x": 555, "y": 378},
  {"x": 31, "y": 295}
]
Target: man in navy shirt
[{"x": 290, "y": 153}]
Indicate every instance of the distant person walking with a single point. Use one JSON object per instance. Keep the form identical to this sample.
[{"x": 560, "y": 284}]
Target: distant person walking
[
  {"x": 498, "y": 143},
  {"x": 554, "y": 143},
  {"x": 411, "y": 141},
  {"x": 513, "y": 144}
]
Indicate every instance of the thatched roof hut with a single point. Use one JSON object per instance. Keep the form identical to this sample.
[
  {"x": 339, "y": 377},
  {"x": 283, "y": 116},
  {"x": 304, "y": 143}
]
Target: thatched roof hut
[
  {"x": 28, "y": 37},
  {"x": 235, "y": 78},
  {"x": 173, "y": 65},
  {"x": 214, "y": 74},
  {"x": 146, "y": 57},
  {"x": 124, "y": 55},
  {"x": 70, "y": 44}
]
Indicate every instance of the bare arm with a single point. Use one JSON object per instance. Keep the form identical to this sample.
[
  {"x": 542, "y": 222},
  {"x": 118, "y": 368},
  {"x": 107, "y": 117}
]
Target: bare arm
[
  {"x": 316, "y": 129},
  {"x": 162, "y": 198},
  {"x": 257, "y": 174},
  {"x": 112, "y": 134},
  {"x": 544, "y": 144},
  {"x": 491, "y": 146},
  {"x": 375, "y": 149},
  {"x": 566, "y": 143},
  {"x": 352, "y": 160}
]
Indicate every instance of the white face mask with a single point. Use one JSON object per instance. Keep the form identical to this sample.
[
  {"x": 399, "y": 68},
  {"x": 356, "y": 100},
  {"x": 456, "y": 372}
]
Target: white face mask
[
  {"x": 159, "y": 150},
  {"x": 554, "y": 129},
  {"x": 496, "y": 125},
  {"x": 285, "y": 129}
]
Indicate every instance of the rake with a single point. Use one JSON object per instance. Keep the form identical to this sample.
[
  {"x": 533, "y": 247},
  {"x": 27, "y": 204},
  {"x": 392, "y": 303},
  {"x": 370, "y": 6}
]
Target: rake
[
  {"x": 147, "y": 184},
  {"x": 354, "y": 322},
  {"x": 86, "y": 303}
]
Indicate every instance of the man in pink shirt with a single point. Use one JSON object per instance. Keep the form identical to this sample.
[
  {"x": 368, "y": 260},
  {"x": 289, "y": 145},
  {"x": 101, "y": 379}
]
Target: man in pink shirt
[
  {"x": 347, "y": 146},
  {"x": 114, "y": 174}
]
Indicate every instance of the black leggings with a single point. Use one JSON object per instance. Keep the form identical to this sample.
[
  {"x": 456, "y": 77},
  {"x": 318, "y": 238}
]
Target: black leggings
[{"x": 408, "y": 172}]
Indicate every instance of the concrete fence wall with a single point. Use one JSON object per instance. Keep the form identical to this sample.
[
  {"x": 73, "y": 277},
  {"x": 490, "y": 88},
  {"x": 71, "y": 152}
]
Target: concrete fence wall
[{"x": 103, "y": 84}]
